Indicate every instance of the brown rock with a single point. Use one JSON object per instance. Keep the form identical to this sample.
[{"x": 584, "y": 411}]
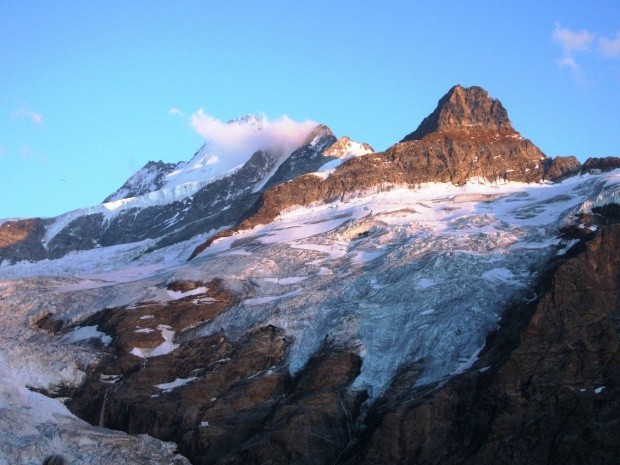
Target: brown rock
[
  {"x": 313, "y": 424},
  {"x": 21, "y": 240},
  {"x": 139, "y": 326},
  {"x": 464, "y": 108},
  {"x": 601, "y": 164},
  {"x": 561, "y": 168}
]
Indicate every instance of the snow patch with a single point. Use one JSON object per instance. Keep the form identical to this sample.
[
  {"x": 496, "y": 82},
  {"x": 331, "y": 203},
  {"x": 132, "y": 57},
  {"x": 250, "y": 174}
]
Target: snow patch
[
  {"x": 168, "y": 387},
  {"x": 84, "y": 333},
  {"x": 163, "y": 349}
]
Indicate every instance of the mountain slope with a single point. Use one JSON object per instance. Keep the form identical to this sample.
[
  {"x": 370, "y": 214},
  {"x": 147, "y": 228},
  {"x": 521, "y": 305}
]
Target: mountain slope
[
  {"x": 464, "y": 144},
  {"x": 400, "y": 307},
  {"x": 164, "y": 204}
]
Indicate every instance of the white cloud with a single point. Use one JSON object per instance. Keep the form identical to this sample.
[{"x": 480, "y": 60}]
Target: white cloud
[
  {"x": 36, "y": 118},
  {"x": 572, "y": 41},
  {"x": 233, "y": 143},
  {"x": 177, "y": 112},
  {"x": 568, "y": 62},
  {"x": 610, "y": 47}
]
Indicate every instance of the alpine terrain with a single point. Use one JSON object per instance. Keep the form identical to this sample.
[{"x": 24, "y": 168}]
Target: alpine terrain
[{"x": 452, "y": 300}]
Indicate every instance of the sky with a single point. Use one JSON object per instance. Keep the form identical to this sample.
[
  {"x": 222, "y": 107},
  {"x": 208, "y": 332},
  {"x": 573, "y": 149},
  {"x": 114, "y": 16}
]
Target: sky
[{"x": 91, "y": 91}]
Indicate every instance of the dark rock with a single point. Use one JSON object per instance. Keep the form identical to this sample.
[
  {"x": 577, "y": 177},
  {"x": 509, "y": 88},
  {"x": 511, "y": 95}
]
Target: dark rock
[
  {"x": 149, "y": 178},
  {"x": 308, "y": 158},
  {"x": 22, "y": 240},
  {"x": 601, "y": 165},
  {"x": 560, "y": 168}
]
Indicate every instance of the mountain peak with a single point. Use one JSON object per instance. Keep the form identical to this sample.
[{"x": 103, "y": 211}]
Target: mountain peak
[
  {"x": 249, "y": 119},
  {"x": 461, "y": 109}
]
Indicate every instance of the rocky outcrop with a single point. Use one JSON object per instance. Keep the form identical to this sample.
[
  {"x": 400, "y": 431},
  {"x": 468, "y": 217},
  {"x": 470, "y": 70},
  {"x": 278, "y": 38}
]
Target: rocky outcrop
[
  {"x": 560, "y": 168},
  {"x": 544, "y": 390},
  {"x": 22, "y": 240},
  {"x": 345, "y": 147},
  {"x": 220, "y": 400},
  {"x": 601, "y": 165},
  {"x": 464, "y": 108}
]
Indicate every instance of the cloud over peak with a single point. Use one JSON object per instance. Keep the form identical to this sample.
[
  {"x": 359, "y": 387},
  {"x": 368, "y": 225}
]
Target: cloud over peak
[{"x": 235, "y": 142}]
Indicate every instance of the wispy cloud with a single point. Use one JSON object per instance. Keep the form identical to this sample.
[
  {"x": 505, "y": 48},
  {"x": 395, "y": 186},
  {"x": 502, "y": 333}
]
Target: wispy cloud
[
  {"x": 578, "y": 45},
  {"x": 36, "y": 118},
  {"x": 568, "y": 62},
  {"x": 572, "y": 41},
  {"x": 233, "y": 143},
  {"x": 610, "y": 47},
  {"x": 29, "y": 154},
  {"x": 176, "y": 112}
]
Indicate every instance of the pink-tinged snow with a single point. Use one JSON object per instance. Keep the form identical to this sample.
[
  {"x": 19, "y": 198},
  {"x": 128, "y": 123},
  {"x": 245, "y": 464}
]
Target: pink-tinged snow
[
  {"x": 350, "y": 150},
  {"x": 287, "y": 280}
]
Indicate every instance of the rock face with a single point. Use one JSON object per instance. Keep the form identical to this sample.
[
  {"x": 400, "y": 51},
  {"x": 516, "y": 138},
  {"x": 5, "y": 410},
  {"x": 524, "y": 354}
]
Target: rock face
[
  {"x": 464, "y": 109},
  {"x": 561, "y": 168},
  {"x": 221, "y": 400},
  {"x": 22, "y": 240},
  {"x": 601, "y": 164},
  {"x": 545, "y": 389}
]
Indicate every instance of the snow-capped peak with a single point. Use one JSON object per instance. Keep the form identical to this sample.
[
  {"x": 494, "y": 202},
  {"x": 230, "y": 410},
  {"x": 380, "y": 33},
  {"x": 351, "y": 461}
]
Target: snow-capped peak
[{"x": 249, "y": 119}]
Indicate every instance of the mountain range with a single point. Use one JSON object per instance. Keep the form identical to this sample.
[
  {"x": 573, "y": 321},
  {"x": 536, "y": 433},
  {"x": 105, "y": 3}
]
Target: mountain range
[{"x": 453, "y": 299}]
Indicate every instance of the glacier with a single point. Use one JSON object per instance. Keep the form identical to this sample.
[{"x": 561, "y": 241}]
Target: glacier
[{"x": 405, "y": 277}]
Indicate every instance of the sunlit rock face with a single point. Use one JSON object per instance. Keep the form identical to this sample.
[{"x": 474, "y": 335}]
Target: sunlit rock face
[{"x": 369, "y": 307}]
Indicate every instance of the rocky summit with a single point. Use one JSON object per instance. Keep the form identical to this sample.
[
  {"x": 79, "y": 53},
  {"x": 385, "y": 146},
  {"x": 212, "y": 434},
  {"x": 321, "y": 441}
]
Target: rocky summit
[{"x": 452, "y": 299}]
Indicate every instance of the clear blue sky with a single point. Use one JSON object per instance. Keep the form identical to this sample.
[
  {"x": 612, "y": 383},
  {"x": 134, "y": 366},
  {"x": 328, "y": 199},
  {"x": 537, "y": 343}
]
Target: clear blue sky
[{"x": 87, "y": 88}]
